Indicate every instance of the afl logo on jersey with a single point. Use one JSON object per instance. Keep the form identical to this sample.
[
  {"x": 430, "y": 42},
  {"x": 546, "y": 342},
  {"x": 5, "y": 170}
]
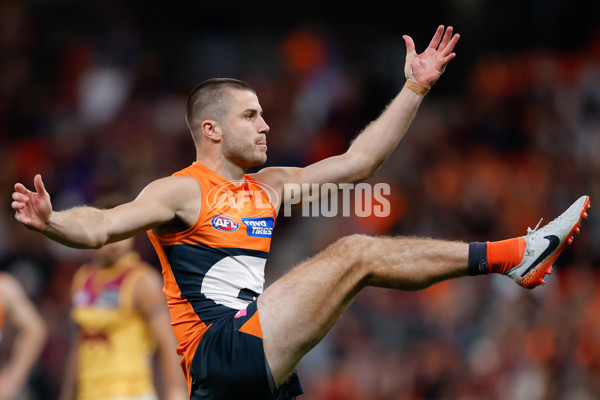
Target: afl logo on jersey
[{"x": 224, "y": 223}]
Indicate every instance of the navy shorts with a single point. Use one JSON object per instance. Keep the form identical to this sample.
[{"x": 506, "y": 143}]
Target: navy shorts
[{"x": 230, "y": 363}]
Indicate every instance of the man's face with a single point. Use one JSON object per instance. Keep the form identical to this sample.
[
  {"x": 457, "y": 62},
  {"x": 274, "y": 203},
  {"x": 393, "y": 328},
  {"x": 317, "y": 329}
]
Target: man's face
[
  {"x": 245, "y": 130},
  {"x": 111, "y": 253}
]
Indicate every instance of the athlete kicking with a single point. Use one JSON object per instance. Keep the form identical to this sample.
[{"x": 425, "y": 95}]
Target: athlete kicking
[{"x": 237, "y": 342}]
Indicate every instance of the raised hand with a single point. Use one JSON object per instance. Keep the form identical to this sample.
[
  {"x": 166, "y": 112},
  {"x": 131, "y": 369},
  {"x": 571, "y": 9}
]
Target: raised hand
[
  {"x": 427, "y": 67},
  {"x": 32, "y": 209}
]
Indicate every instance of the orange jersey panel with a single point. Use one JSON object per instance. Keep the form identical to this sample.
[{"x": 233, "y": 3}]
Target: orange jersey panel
[{"x": 216, "y": 267}]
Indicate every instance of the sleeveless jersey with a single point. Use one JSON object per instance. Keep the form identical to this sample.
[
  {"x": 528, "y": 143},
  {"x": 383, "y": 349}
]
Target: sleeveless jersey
[
  {"x": 116, "y": 348},
  {"x": 216, "y": 267}
]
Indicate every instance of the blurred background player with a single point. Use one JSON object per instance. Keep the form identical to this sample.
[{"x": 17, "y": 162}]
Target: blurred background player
[
  {"x": 18, "y": 312},
  {"x": 121, "y": 321}
]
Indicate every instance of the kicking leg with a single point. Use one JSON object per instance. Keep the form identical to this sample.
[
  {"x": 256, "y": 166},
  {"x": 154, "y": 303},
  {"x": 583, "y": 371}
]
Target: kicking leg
[{"x": 298, "y": 310}]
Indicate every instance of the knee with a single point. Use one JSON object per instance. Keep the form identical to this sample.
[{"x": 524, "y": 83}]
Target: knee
[{"x": 353, "y": 248}]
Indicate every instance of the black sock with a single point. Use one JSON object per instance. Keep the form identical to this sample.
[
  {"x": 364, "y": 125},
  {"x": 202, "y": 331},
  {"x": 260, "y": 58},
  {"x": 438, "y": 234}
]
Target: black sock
[{"x": 477, "y": 259}]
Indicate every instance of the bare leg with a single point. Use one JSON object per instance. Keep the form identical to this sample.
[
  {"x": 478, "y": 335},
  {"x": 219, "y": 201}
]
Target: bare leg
[{"x": 298, "y": 310}]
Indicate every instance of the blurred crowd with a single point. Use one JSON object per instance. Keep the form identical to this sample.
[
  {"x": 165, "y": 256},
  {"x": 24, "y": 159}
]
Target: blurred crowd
[{"x": 509, "y": 139}]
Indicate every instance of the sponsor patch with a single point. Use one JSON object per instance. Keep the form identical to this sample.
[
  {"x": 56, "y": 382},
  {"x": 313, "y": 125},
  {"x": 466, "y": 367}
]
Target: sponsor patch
[
  {"x": 259, "y": 227},
  {"x": 224, "y": 224}
]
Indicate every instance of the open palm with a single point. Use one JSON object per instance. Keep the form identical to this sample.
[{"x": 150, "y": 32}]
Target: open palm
[
  {"x": 427, "y": 67},
  {"x": 32, "y": 209}
]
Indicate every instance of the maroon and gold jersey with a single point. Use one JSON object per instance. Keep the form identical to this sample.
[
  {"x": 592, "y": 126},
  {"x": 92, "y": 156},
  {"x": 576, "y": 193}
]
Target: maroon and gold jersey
[{"x": 114, "y": 356}]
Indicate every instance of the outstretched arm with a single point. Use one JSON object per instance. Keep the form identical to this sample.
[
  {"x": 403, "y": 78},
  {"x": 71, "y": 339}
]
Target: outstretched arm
[
  {"x": 29, "y": 340},
  {"x": 379, "y": 139},
  {"x": 87, "y": 227}
]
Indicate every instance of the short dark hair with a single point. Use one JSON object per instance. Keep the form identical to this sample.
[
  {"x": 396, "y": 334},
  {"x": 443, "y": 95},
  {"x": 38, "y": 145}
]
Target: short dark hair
[{"x": 208, "y": 99}]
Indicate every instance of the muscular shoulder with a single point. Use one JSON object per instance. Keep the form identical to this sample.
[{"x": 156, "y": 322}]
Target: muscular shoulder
[
  {"x": 173, "y": 187},
  {"x": 180, "y": 194}
]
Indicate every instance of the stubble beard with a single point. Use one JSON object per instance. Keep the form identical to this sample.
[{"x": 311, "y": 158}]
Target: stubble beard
[{"x": 242, "y": 153}]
